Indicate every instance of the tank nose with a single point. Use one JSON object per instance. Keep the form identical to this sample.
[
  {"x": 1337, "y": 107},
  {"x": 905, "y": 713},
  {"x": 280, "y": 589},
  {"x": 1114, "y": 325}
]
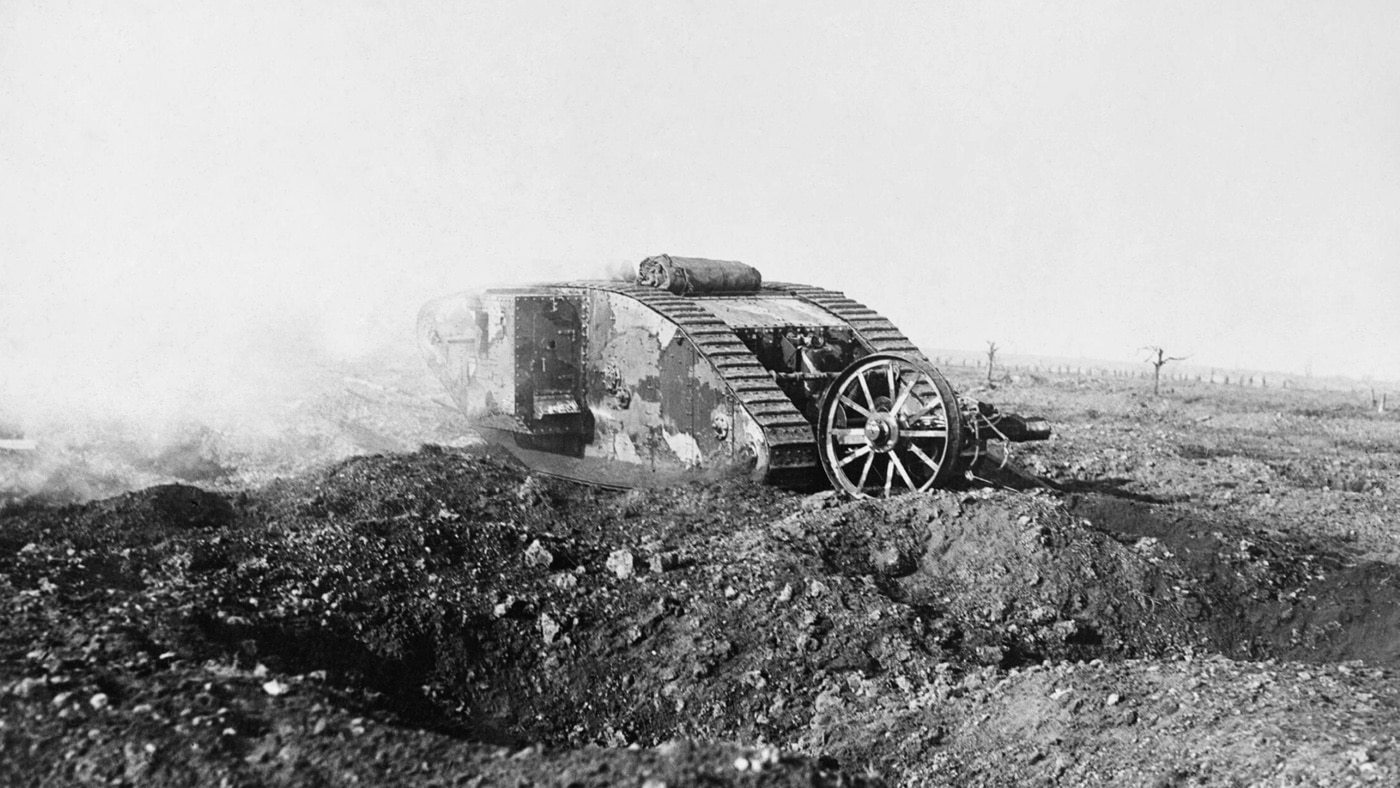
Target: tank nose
[{"x": 444, "y": 323}]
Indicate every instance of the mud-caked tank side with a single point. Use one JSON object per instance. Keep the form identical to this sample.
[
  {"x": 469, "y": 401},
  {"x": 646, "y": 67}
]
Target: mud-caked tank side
[
  {"x": 770, "y": 431},
  {"x": 658, "y": 402}
]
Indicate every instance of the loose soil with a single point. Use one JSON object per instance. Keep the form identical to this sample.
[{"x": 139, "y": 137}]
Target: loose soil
[{"x": 1204, "y": 593}]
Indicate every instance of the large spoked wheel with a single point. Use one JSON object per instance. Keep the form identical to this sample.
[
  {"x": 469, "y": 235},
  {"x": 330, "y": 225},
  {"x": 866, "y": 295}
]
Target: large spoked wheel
[{"x": 889, "y": 424}]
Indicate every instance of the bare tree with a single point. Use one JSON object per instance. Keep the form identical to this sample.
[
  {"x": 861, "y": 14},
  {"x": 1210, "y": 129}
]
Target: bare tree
[
  {"x": 991, "y": 360},
  {"x": 1158, "y": 358}
]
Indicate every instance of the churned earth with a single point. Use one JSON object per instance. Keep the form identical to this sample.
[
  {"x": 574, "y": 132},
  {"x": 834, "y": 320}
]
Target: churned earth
[{"x": 1205, "y": 593}]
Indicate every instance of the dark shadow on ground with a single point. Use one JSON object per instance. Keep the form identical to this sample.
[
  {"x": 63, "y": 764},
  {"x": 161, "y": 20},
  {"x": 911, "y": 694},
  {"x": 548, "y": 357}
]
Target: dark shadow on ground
[{"x": 1112, "y": 487}]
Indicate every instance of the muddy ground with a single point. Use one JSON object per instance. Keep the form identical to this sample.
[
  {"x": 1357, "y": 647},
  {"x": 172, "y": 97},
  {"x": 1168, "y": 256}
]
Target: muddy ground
[{"x": 1207, "y": 595}]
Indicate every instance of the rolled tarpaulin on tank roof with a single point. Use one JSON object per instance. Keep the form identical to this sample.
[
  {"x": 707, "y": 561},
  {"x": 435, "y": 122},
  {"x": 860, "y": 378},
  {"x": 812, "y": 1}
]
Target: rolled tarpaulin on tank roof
[{"x": 686, "y": 275}]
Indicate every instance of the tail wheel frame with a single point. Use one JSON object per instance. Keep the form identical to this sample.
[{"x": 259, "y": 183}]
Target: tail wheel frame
[{"x": 889, "y": 424}]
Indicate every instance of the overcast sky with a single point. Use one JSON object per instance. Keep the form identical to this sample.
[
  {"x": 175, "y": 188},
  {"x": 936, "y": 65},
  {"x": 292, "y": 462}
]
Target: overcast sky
[{"x": 1221, "y": 179}]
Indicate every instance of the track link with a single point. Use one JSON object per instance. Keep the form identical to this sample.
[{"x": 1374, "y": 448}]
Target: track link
[{"x": 874, "y": 329}]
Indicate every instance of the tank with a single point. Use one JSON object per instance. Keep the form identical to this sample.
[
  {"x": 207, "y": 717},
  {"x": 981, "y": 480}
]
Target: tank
[{"x": 698, "y": 369}]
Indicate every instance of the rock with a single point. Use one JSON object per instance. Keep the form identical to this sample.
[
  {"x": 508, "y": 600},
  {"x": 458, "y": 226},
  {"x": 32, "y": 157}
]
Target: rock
[
  {"x": 549, "y": 628},
  {"x": 664, "y": 562},
  {"x": 27, "y": 687},
  {"x": 531, "y": 493},
  {"x": 138, "y": 760},
  {"x": 538, "y": 556},
  {"x": 621, "y": 563},
  {"x": 275, "y": 688},
  {"x": 889, "y": 560},
  {"x": 99, "y": 701},
  {"x": 990, "y": 654},
  {"x": 263, "y": 751},
  {"x": 632, "y": 503}
]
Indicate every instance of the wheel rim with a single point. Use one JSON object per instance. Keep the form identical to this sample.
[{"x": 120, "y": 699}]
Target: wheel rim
[{"x": 888, "y": 424}]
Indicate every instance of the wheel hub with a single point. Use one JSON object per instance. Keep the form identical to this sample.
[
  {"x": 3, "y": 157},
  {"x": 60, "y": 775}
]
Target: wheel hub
[{"x": 882, "y": 432}]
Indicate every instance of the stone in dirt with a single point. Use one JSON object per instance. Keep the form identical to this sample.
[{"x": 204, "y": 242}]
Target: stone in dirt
[
  {"x": 663, "y": 562},
  {"x": 538, "y": 556},
  {"x": 549, "y": 628},
  {"x": 621, "y": 563}
]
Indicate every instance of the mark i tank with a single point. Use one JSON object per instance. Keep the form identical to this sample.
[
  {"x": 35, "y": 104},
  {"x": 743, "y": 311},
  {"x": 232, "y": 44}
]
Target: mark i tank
[{"x": 699, "y": 369}]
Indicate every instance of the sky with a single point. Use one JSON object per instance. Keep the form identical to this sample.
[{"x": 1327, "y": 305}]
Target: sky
[{"x": 180, "y": 180}]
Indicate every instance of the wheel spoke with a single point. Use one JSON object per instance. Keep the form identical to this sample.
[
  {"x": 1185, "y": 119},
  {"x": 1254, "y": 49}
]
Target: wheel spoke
[
  {"x": 849, "y": 437},
  {"x": 865, "y": 472},
  {"x": 889, "y": 379},
  {"x": 858, "y": 453},
  {"x": 865, "y": 387},
  {"x": 923, "y": 433},
  {"x": 894, "y": 459},
  {"x": 850, "y": 403},
  {"x": 918, "y": 452},
  {"x": 904, "y": 395},
  {"x": 909, "y": 394},
  {"x": 889, "y": 475}
]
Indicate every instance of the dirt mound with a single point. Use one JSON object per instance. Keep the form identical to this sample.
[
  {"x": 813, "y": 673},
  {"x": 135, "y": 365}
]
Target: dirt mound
[
  {"x": 170, "y": 506},
  {"x": 1013, "y": 578}
]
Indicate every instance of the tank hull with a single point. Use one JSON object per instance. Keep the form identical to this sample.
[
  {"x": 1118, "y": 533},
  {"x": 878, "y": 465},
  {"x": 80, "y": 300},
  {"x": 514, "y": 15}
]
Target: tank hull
[{"x": 715, "y": 374}]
